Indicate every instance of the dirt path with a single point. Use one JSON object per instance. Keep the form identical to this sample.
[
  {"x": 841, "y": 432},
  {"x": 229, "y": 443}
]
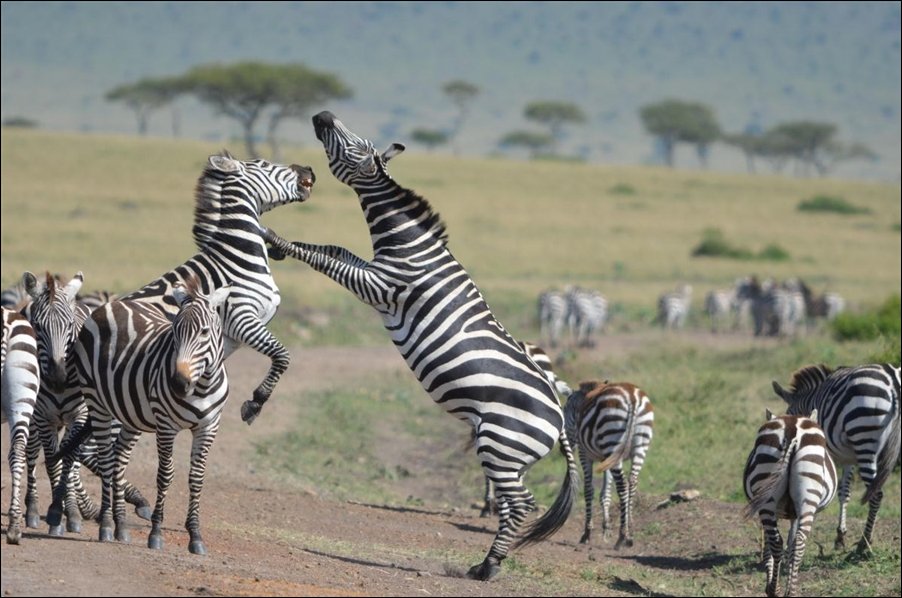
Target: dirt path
[{"x": 265, "y": 538}]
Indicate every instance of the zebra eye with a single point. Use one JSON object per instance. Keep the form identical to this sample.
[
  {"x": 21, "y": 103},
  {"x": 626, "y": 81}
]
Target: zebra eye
[{"x": 205, "y": 331}]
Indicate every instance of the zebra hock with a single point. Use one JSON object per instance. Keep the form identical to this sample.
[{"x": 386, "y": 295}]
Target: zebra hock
[
  {"x": 20, "y": 380},
  {"x": 788, "y": 475},
  {"x": 441, "y": 325},
  {"x": 155, "y": 376}
]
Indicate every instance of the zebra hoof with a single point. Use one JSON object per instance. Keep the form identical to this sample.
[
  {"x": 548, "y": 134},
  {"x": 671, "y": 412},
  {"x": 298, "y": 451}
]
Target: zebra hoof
[
  {"x": 13, "y": 534},
  {"x": 54, "y": 516},
  {"x": 56, "y": 531},
  {"x": 32, "y": 520},
  {"x": 585, "y": 539},
  {"x": 144, "y": 512},
  {"x": 122, "y": 535},
  {"x": 73, "y": 526},
  {"x": 623, "y": 542},
  {"x": 197, "y": 547},
  {"x": 155, "y": 542},
  {"x": 106, "y": 534},
  {"x": 484, "y": 571}
]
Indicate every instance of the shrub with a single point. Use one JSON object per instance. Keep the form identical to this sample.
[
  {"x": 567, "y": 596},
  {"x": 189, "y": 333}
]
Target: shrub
[
  {"x": 622, "y": 189},
  {"x": 885, "y": 321},
  {"x": 828, "y": 203},
  {"x": 715, "y": 245}
]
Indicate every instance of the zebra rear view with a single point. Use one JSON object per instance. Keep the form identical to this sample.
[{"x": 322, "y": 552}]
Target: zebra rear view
[
  {"x": 610, "y": 423},
  {"x": 788, "y": 475},
  {"x": 438, "y": 320}
]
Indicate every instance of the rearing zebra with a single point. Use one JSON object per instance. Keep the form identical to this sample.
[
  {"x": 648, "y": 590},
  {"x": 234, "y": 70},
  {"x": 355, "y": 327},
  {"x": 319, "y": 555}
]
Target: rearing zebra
[
  {"x": 443, "y": 328},
  {"x": 19, "y": 380},
  {"x": 858, "y": 410},
  {"x": 230, "y": 197}
]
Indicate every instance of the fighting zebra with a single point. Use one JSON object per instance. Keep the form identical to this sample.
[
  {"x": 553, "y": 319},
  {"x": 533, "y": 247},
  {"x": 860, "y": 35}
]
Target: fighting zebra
[
  {"x": 552, "y": 316},
  {"x": 21, "y": 378},
  {"x": 57, "y": 317},
  {"x": 673, "y": 308},
  {"x": 587, "y": 312},
  {"x": 788, "y": 475},
  {"x": 230, "y": 197},
  {"x": 153, "y": 375},
  {"x": 858, "y": 410},
  {"x": 442, "y": 326},
  {"x": 610, "y": 423}
]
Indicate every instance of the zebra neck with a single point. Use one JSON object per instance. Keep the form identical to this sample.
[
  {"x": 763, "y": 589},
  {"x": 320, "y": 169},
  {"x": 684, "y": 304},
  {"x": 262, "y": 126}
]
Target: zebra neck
[
  {"x": 226, "y": 217},
  {"x": 400, "y": 221}
]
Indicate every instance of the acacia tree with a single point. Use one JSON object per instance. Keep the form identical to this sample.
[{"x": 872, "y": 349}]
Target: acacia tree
[
  {"x": 429, "y": 137},
  {"x": 554, "y": 115},
  {"x": 675, "y": 121},
  {"x": 532, "y": 141},
  {"x": 146, "y": 96},
  {"x": 461, "y": 94}
]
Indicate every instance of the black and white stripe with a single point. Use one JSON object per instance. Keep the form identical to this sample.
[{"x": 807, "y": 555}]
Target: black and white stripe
[
  {"x": 788, "y": 475},
  {"x": 552, "y": 316},
  {"x": 858, "y": 409},
  {"x": 230, "y": 197},
  {"x": 611, "y": 423},
  {"x": 20, "y": 379},
  {"x": 441, "y": 325},
  {"x": 673, "y": 308},
  {"x": 154, "y": 375},
  {"x": 587, "y": 313}
]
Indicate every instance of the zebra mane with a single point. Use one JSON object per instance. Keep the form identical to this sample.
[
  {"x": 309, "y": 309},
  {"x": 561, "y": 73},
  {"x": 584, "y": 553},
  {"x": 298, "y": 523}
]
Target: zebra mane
[
  {"x": 208, "y": 204},
  {"x": 808, "y": 378},
  {"x": 50, "y": 282},
  {"x": 432, "y": 222}
]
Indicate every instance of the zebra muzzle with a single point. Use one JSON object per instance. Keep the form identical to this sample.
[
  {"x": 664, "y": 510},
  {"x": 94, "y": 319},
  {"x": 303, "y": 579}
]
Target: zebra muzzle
[{"x": 182, "y": 380}]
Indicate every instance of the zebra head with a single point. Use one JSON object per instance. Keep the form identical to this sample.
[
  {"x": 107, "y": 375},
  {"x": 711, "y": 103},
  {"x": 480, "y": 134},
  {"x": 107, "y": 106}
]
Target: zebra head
[
  {"x": 197, "y": 335},
  {"x": 269, "y": 184},
  {"x": 352, "y": 160},
  {"x": 53, "y": 316},
  {"x": 802, "y": 387}
]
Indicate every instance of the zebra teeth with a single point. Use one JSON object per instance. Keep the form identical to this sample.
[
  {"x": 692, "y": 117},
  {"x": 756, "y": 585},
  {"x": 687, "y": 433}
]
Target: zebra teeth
[{"x": 308, "y": 183}]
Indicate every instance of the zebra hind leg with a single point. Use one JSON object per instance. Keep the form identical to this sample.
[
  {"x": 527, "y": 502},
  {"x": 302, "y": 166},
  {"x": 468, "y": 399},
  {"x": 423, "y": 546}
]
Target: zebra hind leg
[
  {"x": 625, "y": 537},
  {"x": 32, "y": 452},
  {"x": 17, "y": 462},
  {"x": 514, "y": 504}
]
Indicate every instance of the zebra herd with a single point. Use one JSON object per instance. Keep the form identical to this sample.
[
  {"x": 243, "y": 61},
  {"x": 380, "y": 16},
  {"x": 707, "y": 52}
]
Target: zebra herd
[{"x": 151, "y": 361}]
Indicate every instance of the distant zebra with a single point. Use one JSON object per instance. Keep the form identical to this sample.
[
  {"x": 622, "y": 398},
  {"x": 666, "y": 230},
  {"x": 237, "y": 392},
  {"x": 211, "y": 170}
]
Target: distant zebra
[
  {"x": 57, "y": 317},
  {"x": 673, "y": 308},
  {"x": 21, "y": 378},
  {"x": 788, "y": 475},
  {"x": 543, "y": 361},
  {"x": 611, "y": 423},
  {"x": 858, "y": 410},
  {"x": 587, "y": 313},
  {"x": 719, "y": 307},
  {"x": 153, "y": 375},
  {"x": 440, "y": 323},
  {"x": 778, "y": 309},
  {"x": 552, "y": 316},
  {"x": 230, "y": 197}
]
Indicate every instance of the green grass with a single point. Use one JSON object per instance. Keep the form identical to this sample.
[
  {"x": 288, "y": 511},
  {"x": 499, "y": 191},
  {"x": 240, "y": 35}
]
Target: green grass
[{"x": 828, "y": 203}]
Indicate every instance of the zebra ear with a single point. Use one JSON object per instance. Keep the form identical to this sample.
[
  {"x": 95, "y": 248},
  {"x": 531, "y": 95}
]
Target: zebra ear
[
  {"x": 225, "y": 163},
  {"x": 180, "y": 294},
  {"x": 218, "y": 297},
  {"x": 74, "y": 285},
  {"x": 786, "y": 396},
  {"x": 395, "y": 149},
  {"x": 32, "y": 287},
  {"x": 768, "y": 415},
  {"x": 813, "y": 416}
]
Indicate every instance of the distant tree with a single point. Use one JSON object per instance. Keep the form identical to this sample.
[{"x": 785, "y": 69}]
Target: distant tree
[
  {"x": 146, "y": 96},
  {"x": 429, "y": 137},
  {"x": 675, "y": 121},
  {"x": 20, "y": 122},
  {"x": 554, "y": 115},
  {"x": 296, "y": 91},
  {"x": 461, "y": 94},
  {"x": 806, "y": 141},
  {"x": 532, "y": 141}
]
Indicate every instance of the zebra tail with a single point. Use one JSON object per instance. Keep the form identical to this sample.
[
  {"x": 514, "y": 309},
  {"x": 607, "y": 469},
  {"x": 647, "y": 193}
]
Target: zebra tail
[
  {"x": 555, "y": 517},
  {"x": 886, "y": 461},
  {"x": 623, "y": 449},
  {"x": 769, "y": 486},
  {"x": 72, "y": 443}
]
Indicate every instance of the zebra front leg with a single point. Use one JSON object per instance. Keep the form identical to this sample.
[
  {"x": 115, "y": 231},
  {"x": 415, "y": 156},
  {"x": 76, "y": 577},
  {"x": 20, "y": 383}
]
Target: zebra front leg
[
  {"x": 17, "y": 461},
  {"x": 248, "y": 329},
  {"x": 488, "y": 504},
  {"x": 200, "y": 449},
  {"x": 88, "y": 456},
  {"x": 588, "y": 496},
  {"x": 165, "y": 440},
  {"x": 844, "y": 493},
  {"x": 122, "y": 450},
  {"x": 626, "y": 537},
  {"x": 50, "y": 444}
]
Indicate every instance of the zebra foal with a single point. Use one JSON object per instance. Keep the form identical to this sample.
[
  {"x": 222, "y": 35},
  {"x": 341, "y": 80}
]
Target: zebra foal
[
  {"x": 158, "y": 376},
  {"x": 788, "y": 475},
  {"x": 442, "y": 326},
  {"x": 858, "y": 410},
  {"x": 20, "y": 380},
  {"x": 610, "y": 423}
]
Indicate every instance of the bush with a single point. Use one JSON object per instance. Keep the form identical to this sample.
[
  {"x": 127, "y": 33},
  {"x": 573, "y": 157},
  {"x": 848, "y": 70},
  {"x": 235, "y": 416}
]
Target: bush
[
  {"x": 828, "y": 203},
  {"x": 715, "y": 245},
  {"x": 773, "y": 253},
  {"x": 885, "y": 321},
  {"x": 622, "y": 189}
]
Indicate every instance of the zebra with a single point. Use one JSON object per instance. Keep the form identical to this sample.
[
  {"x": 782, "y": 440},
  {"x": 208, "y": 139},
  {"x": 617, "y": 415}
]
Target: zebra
[
  {"x": 859, "y": 413},
  {"x": 610, "y": 423},
  {"x": 673, "y": 308},
  {"x": 57, "y": 317},
  {"x": 788, "y": 475},
  {"x": 552, "y": 316},
  {"x": 442, "y": 326},
  {"x": 587, "y": 312},
  {"x": 153, "y": 375},
  {"x": 21, "y": 378},
  {"x": 719, "y": 305},
  {"x": 563, "y": 389},
  {"x": 230, "y": 196}
]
